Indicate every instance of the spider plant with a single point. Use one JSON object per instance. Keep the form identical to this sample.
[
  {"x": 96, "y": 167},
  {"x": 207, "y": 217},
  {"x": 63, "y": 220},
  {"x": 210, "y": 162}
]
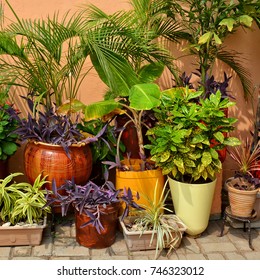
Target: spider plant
[{"x": 166, "y": 228}]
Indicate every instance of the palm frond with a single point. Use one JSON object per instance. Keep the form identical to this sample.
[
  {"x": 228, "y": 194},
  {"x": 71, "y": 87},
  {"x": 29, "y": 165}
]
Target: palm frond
[{"x": 234, "y": 61}]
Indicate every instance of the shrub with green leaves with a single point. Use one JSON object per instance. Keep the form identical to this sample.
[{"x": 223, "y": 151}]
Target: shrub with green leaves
[
  {"x": 22, "y": 202},
  {"x": 8, "y": 139},
  {"x": 185, "y": 140}
]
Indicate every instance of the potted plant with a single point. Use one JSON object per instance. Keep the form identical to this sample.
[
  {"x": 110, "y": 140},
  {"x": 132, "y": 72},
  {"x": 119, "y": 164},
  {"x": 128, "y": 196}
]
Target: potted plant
[
  {"x": 47, "y": 57},
  {"x": 96, "y": 210},
  {"x": 243, "y": 187},
  {"x": 153, "y": 229},
  {"x": 8, "y": 139},
  {"x": 22, "y": 217},
  {"x": 207, "y": 24},
  {"x": 55, "y": 147},
  {"x": 181, "y": 145},
  {"x": 138, "y": 174}
]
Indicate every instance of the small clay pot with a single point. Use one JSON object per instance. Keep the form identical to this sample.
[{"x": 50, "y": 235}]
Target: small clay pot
[{"x": 89, "y": 237}]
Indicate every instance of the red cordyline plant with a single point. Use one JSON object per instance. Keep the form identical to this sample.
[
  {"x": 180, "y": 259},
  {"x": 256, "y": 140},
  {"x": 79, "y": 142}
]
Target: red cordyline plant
[{"x": 247, "y": 157}]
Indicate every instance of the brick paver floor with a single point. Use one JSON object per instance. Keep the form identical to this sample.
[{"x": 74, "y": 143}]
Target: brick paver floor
[{"x": 60, "y": 244}]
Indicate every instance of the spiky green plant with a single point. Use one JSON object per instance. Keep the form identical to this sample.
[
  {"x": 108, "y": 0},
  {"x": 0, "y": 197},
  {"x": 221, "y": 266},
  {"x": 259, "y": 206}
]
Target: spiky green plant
[{"x": 166, "y": 228}]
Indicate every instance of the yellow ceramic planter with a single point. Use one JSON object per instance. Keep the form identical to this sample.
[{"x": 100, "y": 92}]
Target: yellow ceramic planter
[
  {"x": 143, "y": 182},
  {"x": 192, "y": 204}
]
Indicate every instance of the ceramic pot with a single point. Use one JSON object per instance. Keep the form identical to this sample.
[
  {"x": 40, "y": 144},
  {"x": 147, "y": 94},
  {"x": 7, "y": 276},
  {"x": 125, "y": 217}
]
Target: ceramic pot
[
  {"x": 89, "y": 237},
  {"x": 3, "y": 169},
  {"x": 192, "y": 204},
  {"x": 52, "y": 160}
]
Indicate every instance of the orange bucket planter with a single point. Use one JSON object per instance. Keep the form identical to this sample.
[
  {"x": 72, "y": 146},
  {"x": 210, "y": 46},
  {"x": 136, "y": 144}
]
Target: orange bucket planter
[{"x": 143, "y": 182}]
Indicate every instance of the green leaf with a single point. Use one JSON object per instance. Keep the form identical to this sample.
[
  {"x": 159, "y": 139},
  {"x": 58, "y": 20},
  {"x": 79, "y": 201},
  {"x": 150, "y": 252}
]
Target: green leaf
[
  {"x": 219, "y": 136},
  {"x": 228, "y": 22},
  {"x": 206, "y": 159},
  {"x": 9, "y": 148},
  {"x": 174, "y": 171},
  {"x": 165, "y": 156},
  {"x": 150, "y": 72},
  {"x": 144, "y": 96},
  {"x": 246, "y": 20},
  {"x": 73, "y": 106},
  {"x": 205, "y": 38},
  {"x": 99, "y": 109},
  {"x": 213, "y": 153},
  {"x": 232, "y": 141},
  {"x": 217, "y": 39},
  {"x": 198, "y": 139}
]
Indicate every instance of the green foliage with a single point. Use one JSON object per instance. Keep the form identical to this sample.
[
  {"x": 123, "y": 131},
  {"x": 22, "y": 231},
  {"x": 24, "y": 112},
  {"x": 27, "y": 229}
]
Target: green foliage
[
  {"x": 22, "y": 202},
  {"x": 8, "y": 139},
  {"x": 139, "y": 97},
  {"x": 185, "y": 140},
  {"x": 208, "y": 23}
]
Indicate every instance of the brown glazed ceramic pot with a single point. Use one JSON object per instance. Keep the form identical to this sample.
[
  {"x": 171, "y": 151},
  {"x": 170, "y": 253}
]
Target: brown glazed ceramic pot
[
  {"x": 89, "y": 237},
  {"x": 51, "y": 160},
  {"x": 3, "y": 169}
]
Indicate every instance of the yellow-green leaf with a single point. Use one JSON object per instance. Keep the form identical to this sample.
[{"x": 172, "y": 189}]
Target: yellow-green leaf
[
  {"x": 246, "y": 20},
  {"x": 206, "y": 159},
  {"x": 205, "y": 38},
  {"x": 229, "y": 23},
  {"x": 217, "y": 39},
  {"x": 165, "y": 156}
]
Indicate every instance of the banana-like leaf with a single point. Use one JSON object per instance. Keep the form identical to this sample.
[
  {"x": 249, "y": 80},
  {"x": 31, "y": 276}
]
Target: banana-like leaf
[
  {"x": 150, "y": 72},
  {"x": 100, "y": 109},
  {"x": 72, "y": 106},
  {"x": 144, "y": 96}
]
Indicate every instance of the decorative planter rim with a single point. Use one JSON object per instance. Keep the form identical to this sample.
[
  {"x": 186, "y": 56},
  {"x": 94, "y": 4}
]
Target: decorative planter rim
[
  {"x": 235, "y": 190},
  {"x": 193, "y": 183},
  {"x": 78, "y": 145},
  {"x": 139, "y": 232},
  {"x": 227, "y": 187},
  {"x": 17, "y": 227}
]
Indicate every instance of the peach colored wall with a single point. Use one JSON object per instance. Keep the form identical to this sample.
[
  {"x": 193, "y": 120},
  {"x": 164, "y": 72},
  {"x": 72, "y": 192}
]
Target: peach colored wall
[{"x": 246, "y": 42}]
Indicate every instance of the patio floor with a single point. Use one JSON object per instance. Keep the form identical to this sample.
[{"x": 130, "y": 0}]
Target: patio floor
[{"x": 60, "y": 244}]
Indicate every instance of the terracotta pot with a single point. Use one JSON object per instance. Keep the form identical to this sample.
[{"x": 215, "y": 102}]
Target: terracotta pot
[
  {"x": 129, "y": 137},
  {"x": 3, "y": 169},
  {"x": 89, "y": 237},
  {"x": 52, "y": 160},
  {"x": 241, "y": 202}
]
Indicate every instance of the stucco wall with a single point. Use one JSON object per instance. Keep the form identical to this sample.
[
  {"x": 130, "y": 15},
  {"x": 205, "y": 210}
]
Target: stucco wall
[{"x": 246, "y": 42}]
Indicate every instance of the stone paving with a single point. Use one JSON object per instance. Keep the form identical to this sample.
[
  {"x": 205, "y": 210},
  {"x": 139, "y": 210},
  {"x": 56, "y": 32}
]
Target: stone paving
[{"x": 60, "y": 244}]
